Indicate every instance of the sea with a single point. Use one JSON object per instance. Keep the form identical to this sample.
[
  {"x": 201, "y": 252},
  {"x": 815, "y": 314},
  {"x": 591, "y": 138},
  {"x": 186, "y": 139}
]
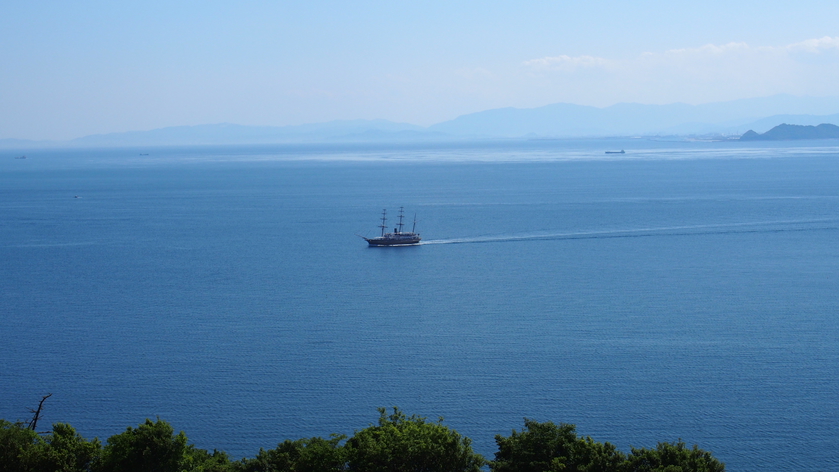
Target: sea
[{"x": 682, "y": 290}]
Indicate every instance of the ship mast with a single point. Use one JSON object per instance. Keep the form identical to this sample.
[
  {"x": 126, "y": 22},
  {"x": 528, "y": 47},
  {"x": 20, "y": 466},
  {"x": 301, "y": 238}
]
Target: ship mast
[
  {"x": 384, "y": 218},
  {"x": 414, "y": 229},
  {"x": 401, "y": 210}
]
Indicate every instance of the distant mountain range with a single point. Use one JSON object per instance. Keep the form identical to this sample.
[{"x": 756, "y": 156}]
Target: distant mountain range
[
  {"x": 560, "y": 120},
  {"x": 632, "y": 119},
  {"x": 788, "y": 132},
  {"x": 226, "y": 133}
]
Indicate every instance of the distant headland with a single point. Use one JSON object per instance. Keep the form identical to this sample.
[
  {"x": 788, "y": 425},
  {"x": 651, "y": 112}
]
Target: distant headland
[{"x": 785, "y": 132}]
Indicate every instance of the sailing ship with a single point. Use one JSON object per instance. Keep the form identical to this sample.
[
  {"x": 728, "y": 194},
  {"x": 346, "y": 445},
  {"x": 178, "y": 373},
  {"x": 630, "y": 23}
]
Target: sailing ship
[{"x": 397, "y": 237}]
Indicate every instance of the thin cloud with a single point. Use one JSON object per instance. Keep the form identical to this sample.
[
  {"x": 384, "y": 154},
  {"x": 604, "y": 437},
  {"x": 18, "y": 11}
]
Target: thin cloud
[
  {"x": 708, "y": 49},
  {"x": 815, "y": 45},
  {"x": 712, "y": 72},
  {"x": 567, "y": 63}
]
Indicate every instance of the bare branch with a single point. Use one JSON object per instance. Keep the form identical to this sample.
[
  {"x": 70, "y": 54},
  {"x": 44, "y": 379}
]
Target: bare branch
[{"x": 37, "y": 413}]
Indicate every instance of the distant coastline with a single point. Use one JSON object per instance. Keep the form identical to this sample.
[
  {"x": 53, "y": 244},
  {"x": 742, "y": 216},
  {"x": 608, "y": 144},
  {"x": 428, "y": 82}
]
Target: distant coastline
[
  {"x": 785, "y": 132},
  {"x": 705, "y": 122}
]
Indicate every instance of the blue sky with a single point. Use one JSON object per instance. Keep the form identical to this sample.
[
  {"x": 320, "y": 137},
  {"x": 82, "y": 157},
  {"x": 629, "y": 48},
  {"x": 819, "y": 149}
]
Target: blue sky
[{"x": 76, "y": 68}]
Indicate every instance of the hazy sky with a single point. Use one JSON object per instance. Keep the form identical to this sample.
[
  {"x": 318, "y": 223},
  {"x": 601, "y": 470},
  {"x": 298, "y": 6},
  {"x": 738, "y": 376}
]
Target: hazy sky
[{"x": 76, "y": 68}]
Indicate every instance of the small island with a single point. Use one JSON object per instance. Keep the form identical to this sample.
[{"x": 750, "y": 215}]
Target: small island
[{"x": 787, "y": 132}]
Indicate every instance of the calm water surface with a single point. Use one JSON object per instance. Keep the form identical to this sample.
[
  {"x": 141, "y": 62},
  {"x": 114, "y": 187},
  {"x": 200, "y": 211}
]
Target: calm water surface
[{"x": 685, "y": 290}]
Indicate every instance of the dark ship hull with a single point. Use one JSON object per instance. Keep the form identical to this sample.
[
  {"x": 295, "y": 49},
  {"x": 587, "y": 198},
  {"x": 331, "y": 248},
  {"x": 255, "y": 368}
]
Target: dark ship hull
[{"x": 391, "y": 239}]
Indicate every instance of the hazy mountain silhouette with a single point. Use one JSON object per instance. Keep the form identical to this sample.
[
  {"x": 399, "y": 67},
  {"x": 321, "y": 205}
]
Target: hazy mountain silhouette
[
  {"x": 787, "y": 132},
  {"x": 567, "y": 120},
  {"x": 765, "y": 124},
  {"x": 558, "y": 120},
  {"x": 226, "y": 133}
]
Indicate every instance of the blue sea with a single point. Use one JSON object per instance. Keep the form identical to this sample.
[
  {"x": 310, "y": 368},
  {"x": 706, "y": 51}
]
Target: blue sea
[{"x": 682, "y": 290}]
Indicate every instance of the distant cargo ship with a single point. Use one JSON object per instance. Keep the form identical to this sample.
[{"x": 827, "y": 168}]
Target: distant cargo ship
[
  {"x": 616, "y": 152},
  {"x": 397, "y": 237}
]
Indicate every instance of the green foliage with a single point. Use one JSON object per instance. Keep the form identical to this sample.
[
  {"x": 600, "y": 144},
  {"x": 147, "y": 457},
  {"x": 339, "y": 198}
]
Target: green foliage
[
  {"x": 16, "y": 443},
  {"x": 668, "y": 457},
  {"x": 152, "y": 446},
  {"x": 199, "y": 460},
  {"x": 400, "y": 443},
  {"x": 542, "y": 447},
  {"x": 302, "y": 455},
  {"x": 62, "y": 450},
  {"x": 65, "y": 450},
  {"x": 546, "y": 447},
  {"x": 592, "y": 456}
]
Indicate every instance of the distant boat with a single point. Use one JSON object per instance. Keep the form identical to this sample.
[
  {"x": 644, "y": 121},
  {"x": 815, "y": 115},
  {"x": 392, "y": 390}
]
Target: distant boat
[
  {"x": 397, "y": 237},
  {"x": 144, "y": 154},
  {"x": 616, "y": 152},
  {"x": 20, "y": 157}
]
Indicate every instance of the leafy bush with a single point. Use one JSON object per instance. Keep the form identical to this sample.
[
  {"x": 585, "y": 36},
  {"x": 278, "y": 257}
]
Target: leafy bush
[
  {"x": 152, "y": 446},
  {"x": 398, "y": 443},
  {"x": 401, "y": 443},
  {"x": 542, "y": 447},
  {"x": 667, "y": 457},
  {"x": 302, "y": 455},
  {"x": 61, "y": 450},
  {"x": 16, "y": 444},
  {"x": 546, "y": 447}
]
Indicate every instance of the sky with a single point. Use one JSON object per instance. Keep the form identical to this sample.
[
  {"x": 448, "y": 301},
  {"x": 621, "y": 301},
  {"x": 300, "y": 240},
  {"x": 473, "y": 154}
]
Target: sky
[{"x": 69, "y": 69}]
